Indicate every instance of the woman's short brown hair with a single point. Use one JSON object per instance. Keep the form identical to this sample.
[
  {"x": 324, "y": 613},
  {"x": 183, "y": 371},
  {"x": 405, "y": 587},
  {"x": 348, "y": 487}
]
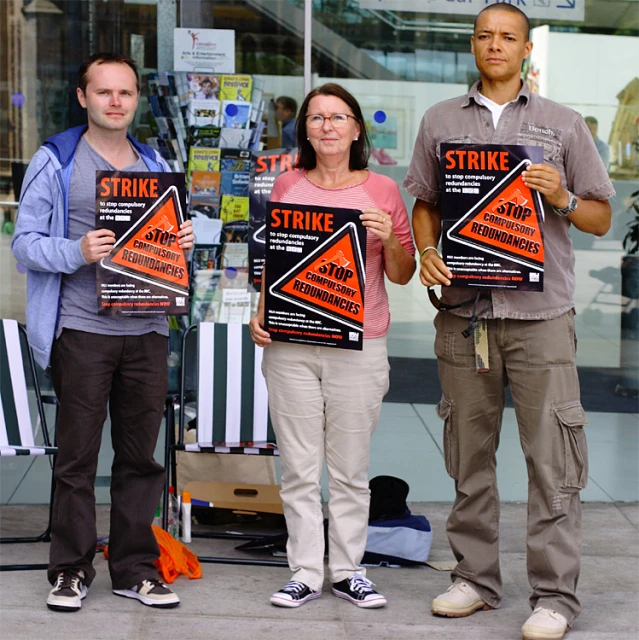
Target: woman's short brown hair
[{"x": 360, "y": 148}]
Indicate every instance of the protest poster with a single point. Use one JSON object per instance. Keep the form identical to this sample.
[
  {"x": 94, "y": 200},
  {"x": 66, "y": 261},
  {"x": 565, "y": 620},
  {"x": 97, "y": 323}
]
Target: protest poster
[
  {"x": 146, "y": 272},
  {"x": 492, "y": 223},
  {"x": 315, "y": 278},
  {"x": 265, "y": 167}
]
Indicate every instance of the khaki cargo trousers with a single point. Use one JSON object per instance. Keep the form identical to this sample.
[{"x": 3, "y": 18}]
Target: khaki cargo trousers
[{"x": 537, "y": 360}]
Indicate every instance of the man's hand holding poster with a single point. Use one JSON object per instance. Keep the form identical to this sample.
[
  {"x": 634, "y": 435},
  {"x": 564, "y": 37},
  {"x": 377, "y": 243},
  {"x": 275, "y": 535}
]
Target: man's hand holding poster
[
  {"x": 146, "y": 272},
  {"x": 315, "y": 278},
  {"x": 492, "y": 223}
]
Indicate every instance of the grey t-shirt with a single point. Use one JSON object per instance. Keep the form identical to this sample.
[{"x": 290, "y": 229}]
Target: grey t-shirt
[{"x": 78, "y": 296}]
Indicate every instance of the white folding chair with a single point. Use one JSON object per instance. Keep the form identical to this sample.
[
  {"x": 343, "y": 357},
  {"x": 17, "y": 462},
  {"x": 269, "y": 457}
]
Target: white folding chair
[
  {"x": 232, "y": 405},
  {"x": 17, "y": 426}
]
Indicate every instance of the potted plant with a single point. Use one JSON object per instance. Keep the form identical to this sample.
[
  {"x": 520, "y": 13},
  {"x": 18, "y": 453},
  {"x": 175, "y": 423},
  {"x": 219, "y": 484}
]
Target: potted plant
[{"x": 629, "y": 356}]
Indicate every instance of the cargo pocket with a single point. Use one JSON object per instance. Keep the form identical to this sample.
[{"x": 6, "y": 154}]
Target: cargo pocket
[
  {"x": 572, "y": 419},
  {"x": 451, "y": 449}
]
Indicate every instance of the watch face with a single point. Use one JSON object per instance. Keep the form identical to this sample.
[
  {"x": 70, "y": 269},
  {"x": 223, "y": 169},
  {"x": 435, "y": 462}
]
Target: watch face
[
  {"x": 572, "y": 203},
  {"x": 570, "y": 207}
]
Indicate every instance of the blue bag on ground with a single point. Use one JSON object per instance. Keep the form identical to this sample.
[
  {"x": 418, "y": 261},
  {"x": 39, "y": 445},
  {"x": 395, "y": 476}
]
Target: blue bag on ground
[
  {"x": 395, "y": 535},
  {"x": 401, "y": 541}
]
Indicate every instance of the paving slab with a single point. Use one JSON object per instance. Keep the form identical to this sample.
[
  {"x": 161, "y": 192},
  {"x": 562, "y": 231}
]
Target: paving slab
[{"x": 230, "y": 602}]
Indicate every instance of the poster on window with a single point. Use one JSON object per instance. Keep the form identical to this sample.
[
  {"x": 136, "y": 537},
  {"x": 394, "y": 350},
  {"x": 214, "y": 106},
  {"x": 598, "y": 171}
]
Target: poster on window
[
  {"x": 265, "y": 167},
  {"x": 146, "y": 273},
  {"x": 492, "y": 223},
  {"x": 315, "y": 275},
  {"x": 204, "y": 50}
]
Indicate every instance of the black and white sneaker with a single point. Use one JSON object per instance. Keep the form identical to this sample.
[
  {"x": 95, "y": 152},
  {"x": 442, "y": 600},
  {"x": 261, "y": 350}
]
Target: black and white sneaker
[
  {"x": 294, "y": 594},
  {"x": 152, "y": 593},
  {"x": 68, "y": 591},
  {"x": 359, "y": 590}
]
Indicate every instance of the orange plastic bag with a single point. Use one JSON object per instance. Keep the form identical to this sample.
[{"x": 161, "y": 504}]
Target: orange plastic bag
[{"x": 175, "y": 558}]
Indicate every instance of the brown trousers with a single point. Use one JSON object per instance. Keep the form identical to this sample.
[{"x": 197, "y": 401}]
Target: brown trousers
[
  {"x": 129, "y": 373},
  {"x": 537, "y": 359}
]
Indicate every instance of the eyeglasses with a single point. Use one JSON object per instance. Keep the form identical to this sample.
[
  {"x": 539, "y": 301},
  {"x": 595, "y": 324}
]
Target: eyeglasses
[{"x": 316, "y": 121}]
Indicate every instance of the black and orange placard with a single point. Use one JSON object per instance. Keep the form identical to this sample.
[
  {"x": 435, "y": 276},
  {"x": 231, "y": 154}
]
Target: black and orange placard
[
  {"x": 315, "y": 275},
  {"x": 492, "y": 223},
  {"x": 265, "y": 167},
  {"x": 146, "y": 271}
]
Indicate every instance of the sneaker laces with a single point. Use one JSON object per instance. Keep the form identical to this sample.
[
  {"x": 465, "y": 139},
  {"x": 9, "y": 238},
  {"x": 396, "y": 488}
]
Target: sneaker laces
[
  {"x": 68, "y": 580},
  {"x": 359, "y": 584},
  {"x": 294, "y": 587},
  {"x": 551, "y": 612},
  {"x": 153, "y": 584}
]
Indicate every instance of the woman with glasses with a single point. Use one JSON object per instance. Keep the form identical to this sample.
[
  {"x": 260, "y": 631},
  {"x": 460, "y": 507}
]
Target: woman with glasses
[{"x": 325, "y": 402}]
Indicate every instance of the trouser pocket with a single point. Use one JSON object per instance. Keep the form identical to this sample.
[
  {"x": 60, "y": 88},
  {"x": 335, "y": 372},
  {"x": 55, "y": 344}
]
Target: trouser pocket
[
  {"x": 572, "y": 418},
  {"x": 451, "y": 447}
]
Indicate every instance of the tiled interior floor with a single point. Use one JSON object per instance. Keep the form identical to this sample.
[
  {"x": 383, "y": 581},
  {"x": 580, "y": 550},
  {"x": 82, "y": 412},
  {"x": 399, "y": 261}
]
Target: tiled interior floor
[{"x": 408, "y": 440}]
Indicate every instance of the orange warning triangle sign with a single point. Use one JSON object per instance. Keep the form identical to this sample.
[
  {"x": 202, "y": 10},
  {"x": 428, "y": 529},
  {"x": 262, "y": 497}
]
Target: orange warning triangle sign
[
  {"x": 330, "y": 280},
  {"x": 507, "y": 222},
  {"x": 149, "y": 251}
]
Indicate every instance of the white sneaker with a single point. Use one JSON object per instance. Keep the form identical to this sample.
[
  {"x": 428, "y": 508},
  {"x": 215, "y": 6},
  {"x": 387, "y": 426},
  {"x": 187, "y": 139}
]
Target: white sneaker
[
  {"x": 459, "y": 601},
  {"x": 68, "y": 591},
  {"x": 152, "y": 593},
  {"x": 545, "y": 624}
]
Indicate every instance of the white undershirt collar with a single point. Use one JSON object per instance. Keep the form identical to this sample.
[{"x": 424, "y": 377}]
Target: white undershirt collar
[{"x": 495, "y": 109}]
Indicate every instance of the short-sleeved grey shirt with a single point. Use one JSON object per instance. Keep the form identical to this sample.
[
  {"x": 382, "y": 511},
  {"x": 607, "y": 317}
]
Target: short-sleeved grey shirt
[
  {"x": 568, "y": 146},
  {"x": 78, "y": 295}
]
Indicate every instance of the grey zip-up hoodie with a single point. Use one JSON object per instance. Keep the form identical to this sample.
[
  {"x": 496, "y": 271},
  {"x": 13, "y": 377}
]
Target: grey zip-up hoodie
[{"x": 40, "y": 240}]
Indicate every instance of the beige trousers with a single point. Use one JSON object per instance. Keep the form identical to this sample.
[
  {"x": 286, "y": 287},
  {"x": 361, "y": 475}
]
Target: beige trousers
[
  {"x": 325, "y": 404},
  {"x": 537, "y": 359}
]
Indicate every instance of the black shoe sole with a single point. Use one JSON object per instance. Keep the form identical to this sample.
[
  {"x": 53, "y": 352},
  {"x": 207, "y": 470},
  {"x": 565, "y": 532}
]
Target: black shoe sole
[
  {"x": 57, "y": 607},
  {"x": 167, "y": 605}
]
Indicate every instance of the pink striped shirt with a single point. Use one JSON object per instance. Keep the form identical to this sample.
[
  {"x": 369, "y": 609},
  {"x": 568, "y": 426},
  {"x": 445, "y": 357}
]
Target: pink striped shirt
[{"x": 375, "y": 191}]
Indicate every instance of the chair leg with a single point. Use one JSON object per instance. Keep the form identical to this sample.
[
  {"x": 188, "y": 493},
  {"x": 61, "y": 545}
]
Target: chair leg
[
  {"x": 169, "y": 455},
  {"x": 248, "y": 562},
  {"x": 170, "y": 464},
  {"x": 45, "y": 536},
  {"x": 23, "y": 567}
]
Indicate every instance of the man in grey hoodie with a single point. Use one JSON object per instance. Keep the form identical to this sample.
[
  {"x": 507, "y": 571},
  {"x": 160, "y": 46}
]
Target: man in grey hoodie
[{"x": 94, "y": 360}]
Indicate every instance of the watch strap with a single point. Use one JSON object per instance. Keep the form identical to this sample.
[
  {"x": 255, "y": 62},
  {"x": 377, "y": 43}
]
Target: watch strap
[{"x": 570, "y": 207}]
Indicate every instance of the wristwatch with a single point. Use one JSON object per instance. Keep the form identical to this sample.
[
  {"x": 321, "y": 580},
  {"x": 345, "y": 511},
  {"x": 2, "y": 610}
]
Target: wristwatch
[{"x": 570, "y": 207}]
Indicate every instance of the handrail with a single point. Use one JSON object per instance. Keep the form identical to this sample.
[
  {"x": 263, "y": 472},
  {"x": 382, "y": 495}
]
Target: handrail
[{"x": 9, "y": 203}]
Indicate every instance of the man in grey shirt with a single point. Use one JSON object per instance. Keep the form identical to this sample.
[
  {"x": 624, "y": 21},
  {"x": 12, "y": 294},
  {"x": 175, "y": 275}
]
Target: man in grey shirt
[
  {"x": 530, "y": 339},
  {"x": 95, "y": 360}
]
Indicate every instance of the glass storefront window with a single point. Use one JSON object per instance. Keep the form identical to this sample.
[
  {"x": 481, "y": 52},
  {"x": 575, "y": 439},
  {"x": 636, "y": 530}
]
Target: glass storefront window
[{"x": 397, "y": 62}]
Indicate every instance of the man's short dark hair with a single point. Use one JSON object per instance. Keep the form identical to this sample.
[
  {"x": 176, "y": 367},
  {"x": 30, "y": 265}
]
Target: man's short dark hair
[
  {"x": 360, "y": 148},
  {"x": 502, "y": 6},
  {"x": 105, "y": 58},
  {"x": 288, "y": 103},
  {"x": 591, "y": 120},
  {"x": 207, "y": 81}
]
